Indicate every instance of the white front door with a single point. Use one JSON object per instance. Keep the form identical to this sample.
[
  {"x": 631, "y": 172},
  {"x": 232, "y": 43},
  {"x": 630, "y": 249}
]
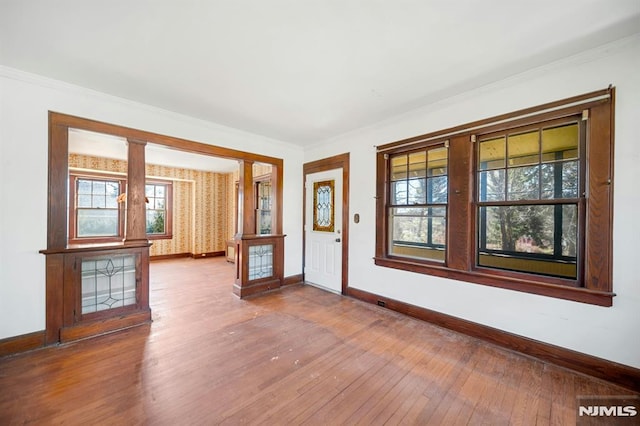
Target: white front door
[{"x": 323, "y": 230}]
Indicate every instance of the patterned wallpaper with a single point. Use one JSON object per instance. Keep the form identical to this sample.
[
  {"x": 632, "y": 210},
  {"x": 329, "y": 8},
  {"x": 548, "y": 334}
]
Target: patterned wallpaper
[{"x": 203, "y": 205}]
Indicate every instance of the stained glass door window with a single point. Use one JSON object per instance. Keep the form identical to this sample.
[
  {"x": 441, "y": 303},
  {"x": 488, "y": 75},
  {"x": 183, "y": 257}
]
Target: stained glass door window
[{"x": 323, "y": 206}]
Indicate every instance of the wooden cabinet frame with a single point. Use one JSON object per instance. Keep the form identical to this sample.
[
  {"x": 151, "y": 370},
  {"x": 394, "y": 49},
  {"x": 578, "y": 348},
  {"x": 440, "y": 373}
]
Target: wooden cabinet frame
[{"x": 60, "y": 326}]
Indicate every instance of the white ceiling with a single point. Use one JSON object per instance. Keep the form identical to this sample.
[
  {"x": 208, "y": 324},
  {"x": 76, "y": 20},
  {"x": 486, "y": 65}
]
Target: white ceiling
[{"x": 300, "y": 71}]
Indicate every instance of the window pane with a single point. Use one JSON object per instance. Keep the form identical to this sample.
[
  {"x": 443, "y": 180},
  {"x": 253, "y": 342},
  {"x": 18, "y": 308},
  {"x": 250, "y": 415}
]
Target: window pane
[
  {"x": 155, "y": 222},
  {"x": 560, "y": 180},
  {"x": 523, "y": 238},
  {"x": 523, "y": 183},
  {"x": 84, "y": 200},
  {"x": 112, "y": 201},
  {"x": 560, "y": 143},
  {"x": 399, "y": 167},
  {"x": 492, "y": 154},
  {"x": 418, "y": 232},
  {"x": 99, "y": 187},
  {"x": 97, "y": 223},
  {"x": 159, "y": 204},
  {"x": 526, "y": 229},
  {"x": 417, "y": 164},
  {"x": 524, "y": 149},
  {"x": 399, "y": 192},
  {"x": 417, "y": 191},
  {"x": 569, "y": 230},
  {"x": 160, "y": 190},
  {"x": 98, "y": 201},
  {"x": 437, "y": 190},
  {"x": 113, "y": 188},
  {"x": 491, "y": 185},
  {"x": 437, "y": 165},
  {"x": 84, "y": 186},
  {"x": 149, "y": 190}
]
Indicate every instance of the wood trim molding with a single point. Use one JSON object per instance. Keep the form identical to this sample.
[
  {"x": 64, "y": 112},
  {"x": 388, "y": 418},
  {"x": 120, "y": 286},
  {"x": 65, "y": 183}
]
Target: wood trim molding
[
  {"x": 104, "y": 326},
  {"x": 293, "y": 280},
  {"x": 208, "y": 254},
  {"x": 620, "y": 374},
  {"x": 335, "y": 162},
  {"x": 22, "y": 343},
  {"x": 66, "y": 121},
  {"x": 169, "y": 256}
]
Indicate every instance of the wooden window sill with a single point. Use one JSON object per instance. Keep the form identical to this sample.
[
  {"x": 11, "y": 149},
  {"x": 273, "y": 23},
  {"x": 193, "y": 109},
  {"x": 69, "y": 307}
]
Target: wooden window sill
[{"x": 566, "y": 292}]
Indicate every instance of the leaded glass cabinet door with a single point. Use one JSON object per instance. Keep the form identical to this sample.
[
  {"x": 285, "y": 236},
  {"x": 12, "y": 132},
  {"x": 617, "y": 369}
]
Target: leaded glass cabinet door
[{"x": 106, "y": 284}]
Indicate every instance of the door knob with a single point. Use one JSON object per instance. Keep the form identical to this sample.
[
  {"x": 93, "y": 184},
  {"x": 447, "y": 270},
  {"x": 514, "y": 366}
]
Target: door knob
[{"x": 337, "y": 240}]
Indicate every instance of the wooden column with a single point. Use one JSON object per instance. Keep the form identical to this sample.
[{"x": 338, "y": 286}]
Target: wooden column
[
  {"x": 246, "y": 207},
  {"x": 136, "y": 224}
]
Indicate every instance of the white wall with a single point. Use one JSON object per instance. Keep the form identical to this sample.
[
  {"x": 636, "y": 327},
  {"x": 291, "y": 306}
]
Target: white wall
[
  {"x": 610, "y": 333},
  {"x": 25, "y": 100}
]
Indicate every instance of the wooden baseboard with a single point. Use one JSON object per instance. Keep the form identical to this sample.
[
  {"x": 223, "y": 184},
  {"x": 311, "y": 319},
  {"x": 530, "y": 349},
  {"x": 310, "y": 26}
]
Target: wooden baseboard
[
  {"x": 620, "y": 374},
  {"x": 170, "y": 256},
  {"x": 293, "y": 279},
  {"x": 208, "y": 254},
  {"x": 256, "y": 289},
  {"x": 22, "y": 343}
]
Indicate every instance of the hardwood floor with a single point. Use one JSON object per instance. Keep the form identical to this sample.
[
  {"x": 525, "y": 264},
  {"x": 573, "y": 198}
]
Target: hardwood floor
[{"x": 298, "y": 356}]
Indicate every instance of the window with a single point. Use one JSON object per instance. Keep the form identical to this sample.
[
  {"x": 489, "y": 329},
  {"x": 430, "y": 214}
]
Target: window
[
  {"x": 158, "y": 199},
  {"x": 528, "y": 184},
  {"x": 417, "y": 209},
  {"x": 521, "y": 201},
  {"x": 97, "y": 214},
  {"x": 98, "y": 208}
]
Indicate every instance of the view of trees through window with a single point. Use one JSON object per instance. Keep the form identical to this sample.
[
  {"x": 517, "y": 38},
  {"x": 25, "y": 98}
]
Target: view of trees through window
[
  {"x": 156, "y": 198},
  {"x": 98, "y": 203},
  {"x": 528, "y": 183},
  {"x": 418, "y": 210}
]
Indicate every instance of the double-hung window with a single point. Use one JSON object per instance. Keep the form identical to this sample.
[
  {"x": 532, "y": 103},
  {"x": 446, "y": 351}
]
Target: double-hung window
[
  {"x": 417, "y": 209},
  {"x": 529, "y": 210},
  {"x": 97, "y": 208},
  {"x": 521, "y": 201},
  {"x": 97, "y": 215},
  {"x": 158, "y": 201}
]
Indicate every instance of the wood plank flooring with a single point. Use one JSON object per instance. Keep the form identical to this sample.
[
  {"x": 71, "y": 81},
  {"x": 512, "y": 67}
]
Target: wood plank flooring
[{"x": 298, "y": 356}]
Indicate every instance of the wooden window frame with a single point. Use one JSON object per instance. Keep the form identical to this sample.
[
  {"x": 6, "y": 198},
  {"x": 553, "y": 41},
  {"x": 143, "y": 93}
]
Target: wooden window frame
[
  {"x": 168, "y": 224},
  {"x": 444, "y": 143},
  {"x": 73, "y": 215},
  {"x": 97, "y": 175},
  {"x": 594, "y": 283}
]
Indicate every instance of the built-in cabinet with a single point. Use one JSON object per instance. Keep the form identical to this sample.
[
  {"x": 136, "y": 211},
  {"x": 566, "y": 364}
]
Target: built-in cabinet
[{"x": 102, "y": 289}]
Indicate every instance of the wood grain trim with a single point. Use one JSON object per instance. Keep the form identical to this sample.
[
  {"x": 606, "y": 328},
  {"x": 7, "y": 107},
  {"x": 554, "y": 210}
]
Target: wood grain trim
[
  {"x": 169, "y": 256},
  {"x": 56, "y": 118},
  {"x": 559, "y": 291},
  {"x": 58, "y": 185},
  {"x": 293, "y": 280},
  {"x": 620, "y": 374},
  {"x": 105, "y": 326},
  {"x": 207, "y": 254},
  {"x": 22, "y": 343},
  {"x": 258, "y": 288},
  {"x": 469, "y": 127},
  {"x": 335, "y": 162}
]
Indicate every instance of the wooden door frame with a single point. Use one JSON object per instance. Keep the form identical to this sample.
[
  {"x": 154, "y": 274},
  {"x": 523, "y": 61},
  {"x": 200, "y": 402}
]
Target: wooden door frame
[{"x": 335, "y": 162}]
